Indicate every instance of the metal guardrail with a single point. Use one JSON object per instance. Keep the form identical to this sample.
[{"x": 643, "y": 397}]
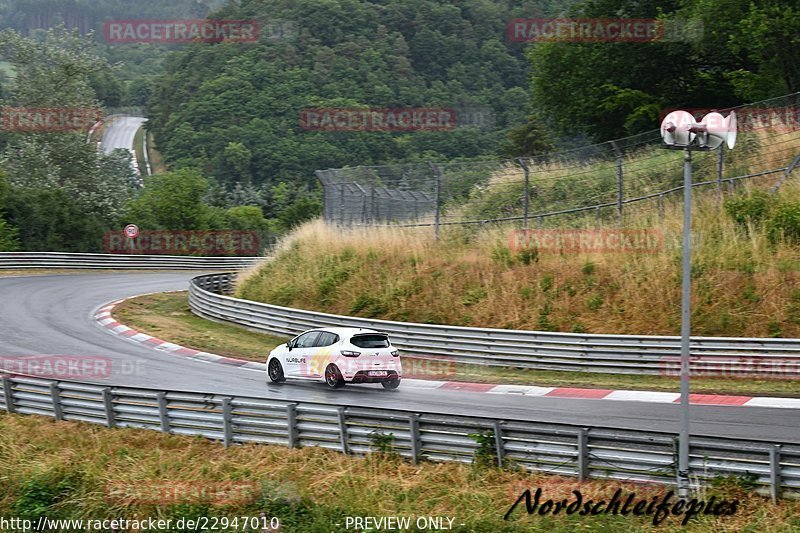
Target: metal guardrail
[
  {"x": 618, "y": 354},
  {"x": 33, "y": 260},
  {"x": 585, "y": 452}
]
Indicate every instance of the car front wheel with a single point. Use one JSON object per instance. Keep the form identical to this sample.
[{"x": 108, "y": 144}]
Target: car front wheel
[
  {"x": 333, "y": 377},
  {"x": 275, "y": 371}
]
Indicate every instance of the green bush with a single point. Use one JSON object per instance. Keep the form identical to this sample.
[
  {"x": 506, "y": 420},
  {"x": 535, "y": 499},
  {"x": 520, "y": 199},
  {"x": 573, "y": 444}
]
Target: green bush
[
  {"x": 39, "y": 495},
  {"x": 747, "y": 209},
  {"x": 8, "y": 237},
  {"x": 784, "y": 224},
  {"x": 502, "y": 256}
]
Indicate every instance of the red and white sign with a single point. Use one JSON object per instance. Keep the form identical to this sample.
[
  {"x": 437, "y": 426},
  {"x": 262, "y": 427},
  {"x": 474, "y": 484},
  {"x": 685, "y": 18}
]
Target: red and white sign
[{"x": 131, "y": 231}]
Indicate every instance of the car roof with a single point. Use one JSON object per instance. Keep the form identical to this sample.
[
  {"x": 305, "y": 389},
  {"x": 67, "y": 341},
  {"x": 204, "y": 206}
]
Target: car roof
[{"x": 345, "y": 332}]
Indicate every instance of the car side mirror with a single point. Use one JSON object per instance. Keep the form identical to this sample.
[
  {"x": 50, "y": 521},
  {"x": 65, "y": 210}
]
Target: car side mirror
[{"x": 289, "y": 345}]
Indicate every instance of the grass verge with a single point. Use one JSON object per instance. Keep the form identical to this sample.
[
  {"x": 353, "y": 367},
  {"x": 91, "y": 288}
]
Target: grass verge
[
  {"x": 156, "y": 160},
  {"x": 168, "y": 317},
  {"x": 70, "y": 470},
  {"x": 138, "y": 148}
]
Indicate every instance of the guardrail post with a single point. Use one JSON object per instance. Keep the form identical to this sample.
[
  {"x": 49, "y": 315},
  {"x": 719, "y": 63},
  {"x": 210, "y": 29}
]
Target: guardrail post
[
  {"x": 583, "y": 454},
  {"x": 8, "y": 394},
  {"x": 661, "y": 208},
  {"x": 676, "y": 442},
  {"x": 291, "y": 424},
  {"x": 227, "y": 422},
  {"x": 163, "y": 415},
  {"x": 55, "y": 396},
  {"x": 775, "y": 472},
  {"x": 342, "y": 429},
  {"x": 108, "y": 404},
  {"x": 413, "y": 424},
  {"x": 498, "y": 441}
]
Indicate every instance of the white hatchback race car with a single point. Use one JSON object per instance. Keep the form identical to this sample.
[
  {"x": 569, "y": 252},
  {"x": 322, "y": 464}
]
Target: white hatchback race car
[{"x": 337, "y": 356}]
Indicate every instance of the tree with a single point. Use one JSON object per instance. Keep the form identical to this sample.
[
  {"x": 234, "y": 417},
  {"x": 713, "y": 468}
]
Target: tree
[
  {"x": 55, "y": 71},
  {"x": 51, "y": 219},
  {"x": 8, "y": 236},
  {"x": 171, "y": 201},
  {"x": 527, "y": 140},
  {"x": 246, "y": 217}
]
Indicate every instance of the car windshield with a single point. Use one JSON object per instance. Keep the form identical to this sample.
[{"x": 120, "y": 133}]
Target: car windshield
[{"x": 370, "y": 340}]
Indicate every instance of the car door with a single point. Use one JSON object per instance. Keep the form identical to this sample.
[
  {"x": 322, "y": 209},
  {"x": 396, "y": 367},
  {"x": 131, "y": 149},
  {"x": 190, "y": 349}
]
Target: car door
[
  {"x": 301, "y": 350},
  {"x": 321, "y": 354}
]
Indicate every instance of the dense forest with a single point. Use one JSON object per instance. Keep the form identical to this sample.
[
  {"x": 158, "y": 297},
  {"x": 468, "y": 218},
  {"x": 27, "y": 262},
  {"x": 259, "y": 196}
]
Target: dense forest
[{"x": 226, "y": 116}]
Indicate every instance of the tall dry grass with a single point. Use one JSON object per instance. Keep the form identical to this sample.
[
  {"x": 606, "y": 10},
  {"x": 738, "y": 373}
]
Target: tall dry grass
[
  {"x": 64, "y": 470},
  {"x": 742, "y": 284}
]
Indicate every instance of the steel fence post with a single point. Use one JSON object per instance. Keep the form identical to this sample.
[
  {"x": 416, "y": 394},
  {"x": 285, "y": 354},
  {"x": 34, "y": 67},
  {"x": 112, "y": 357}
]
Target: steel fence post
[
  {"x": 291, "y": 425},
  {"x": 8, "y": 394},
  {"x": 342, "y": 429},
  {"x": 55, "y": 397},
  {"x": 108, "y": 405},
  {"x": 526, "y": 204},
  {"x": 413, "y": 422},
  {"x": 619, "y": 180},
  {"x": 437, "y": 175},
  {"x": 498, "y": 441},
  {"x": 775, "y": 472},
  {"x": 341, "y": 204},
  {"x": 163, "y": 414},
  {"x": 583, "y": 454},
  {"x": 720, "y": 166},
  {"x": 227, "y": 422}
]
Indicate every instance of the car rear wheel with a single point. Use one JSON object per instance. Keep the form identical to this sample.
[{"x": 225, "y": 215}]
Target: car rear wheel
[
  {"x": 333, "y": 377},
  {"x": 391, "y": 384},
  {"x": 275, "y": 371}
]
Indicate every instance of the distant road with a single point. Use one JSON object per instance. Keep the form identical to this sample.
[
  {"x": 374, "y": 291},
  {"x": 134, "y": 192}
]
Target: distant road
[{"x": 120, "y": 132}]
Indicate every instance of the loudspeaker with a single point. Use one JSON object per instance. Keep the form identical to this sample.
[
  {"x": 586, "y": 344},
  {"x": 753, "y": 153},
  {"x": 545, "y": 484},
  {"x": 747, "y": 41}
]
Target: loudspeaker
[{"x": 675, "y": 129}]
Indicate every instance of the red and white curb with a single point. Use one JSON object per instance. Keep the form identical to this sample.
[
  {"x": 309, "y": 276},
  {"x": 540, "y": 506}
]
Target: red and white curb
[{"x": 105, "y": 320}]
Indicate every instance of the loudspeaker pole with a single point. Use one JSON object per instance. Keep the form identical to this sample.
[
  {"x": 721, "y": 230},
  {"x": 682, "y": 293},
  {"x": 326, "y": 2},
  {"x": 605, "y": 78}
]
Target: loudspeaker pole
[
  {"x": 680, "y": 132},
  {"x": 686, "y": 316}
]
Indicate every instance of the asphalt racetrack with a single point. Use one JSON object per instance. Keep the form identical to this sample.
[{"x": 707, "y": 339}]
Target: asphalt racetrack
[{"x": 53, "y": 314}]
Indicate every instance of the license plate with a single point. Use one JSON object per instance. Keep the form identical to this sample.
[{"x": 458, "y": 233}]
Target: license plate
[{"x": 377, "y": 373}]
